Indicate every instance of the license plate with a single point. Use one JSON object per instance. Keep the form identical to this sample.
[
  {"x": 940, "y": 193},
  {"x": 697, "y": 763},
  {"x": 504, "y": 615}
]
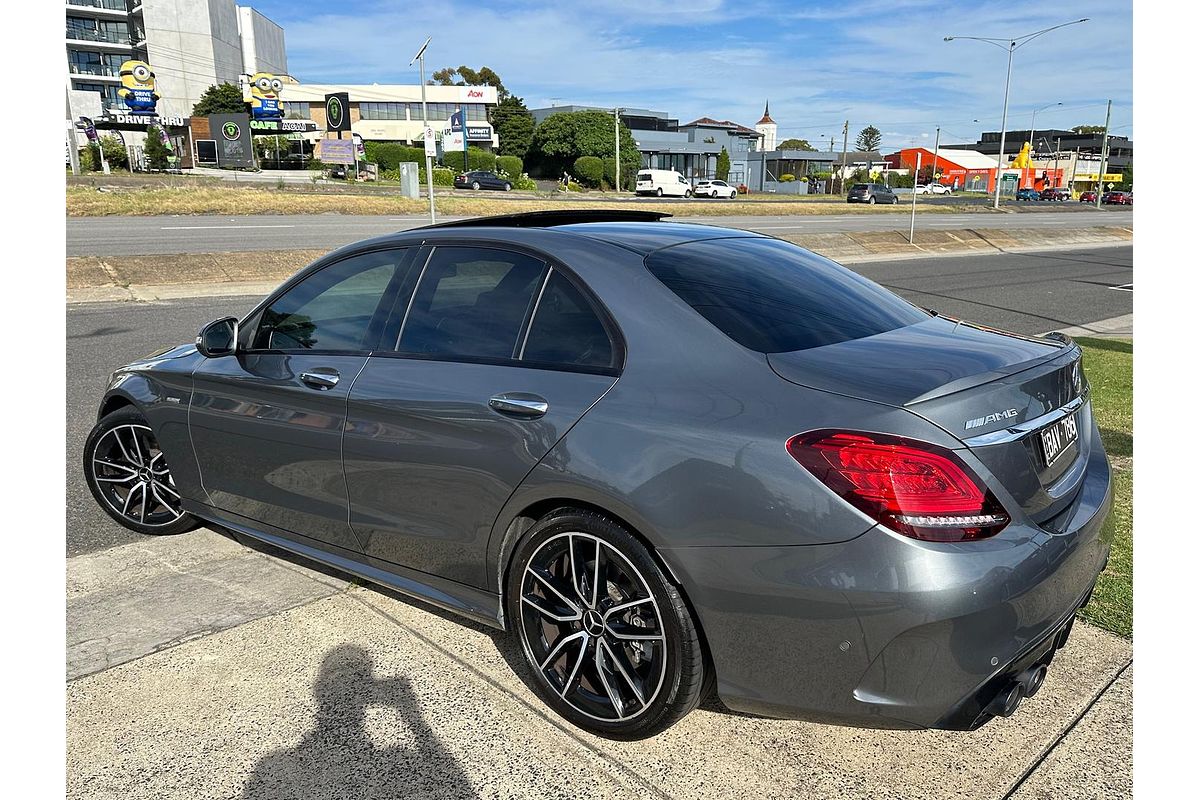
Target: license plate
[{"x": 1058, "y": 437}]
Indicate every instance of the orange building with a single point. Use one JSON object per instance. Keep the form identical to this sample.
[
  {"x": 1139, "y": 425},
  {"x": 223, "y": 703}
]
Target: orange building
[{"x": 969, "y": 170}]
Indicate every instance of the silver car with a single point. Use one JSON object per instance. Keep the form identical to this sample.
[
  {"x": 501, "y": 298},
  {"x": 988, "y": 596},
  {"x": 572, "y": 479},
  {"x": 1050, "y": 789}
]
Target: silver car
[{"x": 671, "y": 459}]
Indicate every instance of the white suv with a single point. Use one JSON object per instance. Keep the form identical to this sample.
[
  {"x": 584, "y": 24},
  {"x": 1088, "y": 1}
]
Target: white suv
[{"x": 715, "y": 189}]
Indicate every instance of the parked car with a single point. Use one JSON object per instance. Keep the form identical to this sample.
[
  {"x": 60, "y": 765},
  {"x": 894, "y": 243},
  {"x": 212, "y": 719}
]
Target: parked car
[
  {"x": 1087, "y": 197},
  {"x": 871, "y": 193},
  {"x": 1028, "y": 194},
  {"x": 662, "y": 182},
  {"x": 1117, "y": 198},
  {"x": 338, "y": 172},
  {"x": 715, "y": 188},
  {"x": 669, "y": 459},
  {"x": 481, "y": 179},
  {"x": 931, "y": 188},
  {"x": 1058, "y": 194}
]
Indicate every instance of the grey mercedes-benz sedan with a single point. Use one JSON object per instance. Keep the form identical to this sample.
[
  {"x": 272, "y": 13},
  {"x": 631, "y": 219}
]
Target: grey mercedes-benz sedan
[{"x": 672, "y": 459}]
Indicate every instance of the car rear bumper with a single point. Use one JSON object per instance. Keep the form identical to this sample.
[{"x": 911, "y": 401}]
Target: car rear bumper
[{"x": 889, "y": 632}]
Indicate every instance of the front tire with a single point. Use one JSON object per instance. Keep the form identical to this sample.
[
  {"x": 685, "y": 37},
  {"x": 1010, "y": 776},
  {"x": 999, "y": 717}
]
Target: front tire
[
  {"x": 871, "y": 200},
  {"x": 609, "y": 642},
  {"x": 659, "y": 192},
  {"x": 475, "y": 185},
  {"x": 128, "y": 475},
  {"x": 508, "y": 187},
  {"x": 687, "y": 194}
]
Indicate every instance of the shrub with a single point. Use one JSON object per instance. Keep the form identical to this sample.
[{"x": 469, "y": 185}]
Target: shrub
[
  {"x": 589, "y": 170},
  {"x": 787, "y": 177},
  {"x": 742, "y": 189},
  {"x": 390, "y": 155},
  {"x": 572, "y": 186},
  {"x": 441, "y": 176},
  {"x": 87, "y": 161},
  {"x": 519, "y": 180},
  {"x": 478, "y": 159},
  {"x": 509, "y": 164}
]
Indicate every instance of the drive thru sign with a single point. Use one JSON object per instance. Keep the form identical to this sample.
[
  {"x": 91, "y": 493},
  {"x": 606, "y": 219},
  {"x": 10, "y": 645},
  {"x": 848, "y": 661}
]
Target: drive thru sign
[{"x": 430, "y": 143}]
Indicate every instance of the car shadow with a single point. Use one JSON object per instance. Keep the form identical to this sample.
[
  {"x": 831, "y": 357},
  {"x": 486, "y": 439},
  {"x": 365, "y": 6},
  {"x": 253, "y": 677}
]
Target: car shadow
[{"x": 338, "y": 757}]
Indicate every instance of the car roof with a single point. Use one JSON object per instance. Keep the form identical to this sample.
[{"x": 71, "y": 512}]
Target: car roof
[{"x": 642, "y": 232}]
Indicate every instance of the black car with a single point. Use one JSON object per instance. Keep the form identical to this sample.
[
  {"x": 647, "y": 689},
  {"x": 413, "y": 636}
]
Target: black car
[
  {"x": 871, "y": 193},
  {"x": 481, "y": 179}
]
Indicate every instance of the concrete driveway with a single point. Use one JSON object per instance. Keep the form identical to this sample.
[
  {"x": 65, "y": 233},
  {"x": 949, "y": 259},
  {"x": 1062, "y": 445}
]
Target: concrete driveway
[{"x": 202, "y": 668}]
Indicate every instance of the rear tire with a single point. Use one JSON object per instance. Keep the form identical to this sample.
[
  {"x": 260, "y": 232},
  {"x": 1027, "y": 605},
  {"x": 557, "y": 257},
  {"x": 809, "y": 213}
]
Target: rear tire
[
  {"x": 871, "y": 200},
  {"x": 659, "y": 192},
  {"x": 475, "y": 185},
  {"x": 129, "y": 477},
  {"x": 687, "y": 194},
  {"x": 508, "y": 187},
  {"x": 618, "y": 655}
]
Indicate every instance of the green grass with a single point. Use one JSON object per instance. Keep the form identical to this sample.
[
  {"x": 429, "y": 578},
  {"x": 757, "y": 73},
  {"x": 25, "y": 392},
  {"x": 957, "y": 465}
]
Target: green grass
[{"x": 1109, "y": 367}]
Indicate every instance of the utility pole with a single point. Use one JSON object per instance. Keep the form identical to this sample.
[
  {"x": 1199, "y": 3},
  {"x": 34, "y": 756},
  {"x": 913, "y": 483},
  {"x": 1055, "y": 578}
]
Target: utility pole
[
  {"x": 845, "y": 147},
  {"x": 420, "y": 56},
  {"x": 933, "y": 171},
  {"x": 617, "y": 140},
  {"x": 1103, "y": 155},
  {"x": 1057, "y": 145}
]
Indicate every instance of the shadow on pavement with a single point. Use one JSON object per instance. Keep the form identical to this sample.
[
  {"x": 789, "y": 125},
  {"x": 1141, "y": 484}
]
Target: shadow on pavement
[{"x": 339, "y": 758}]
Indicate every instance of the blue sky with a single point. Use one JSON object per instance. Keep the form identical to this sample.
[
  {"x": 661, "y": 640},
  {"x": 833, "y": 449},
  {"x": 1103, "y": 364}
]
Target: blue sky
[{"x": 871, "y": 61}]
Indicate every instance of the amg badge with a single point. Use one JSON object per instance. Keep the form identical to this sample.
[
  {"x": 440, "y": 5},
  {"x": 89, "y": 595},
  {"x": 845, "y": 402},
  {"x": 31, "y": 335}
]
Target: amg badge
[{"x": 980, "y": 422}]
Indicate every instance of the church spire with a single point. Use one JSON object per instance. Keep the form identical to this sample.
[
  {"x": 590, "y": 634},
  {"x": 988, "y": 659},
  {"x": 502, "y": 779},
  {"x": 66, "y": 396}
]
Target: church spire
[{"x": 766, "y": 117}]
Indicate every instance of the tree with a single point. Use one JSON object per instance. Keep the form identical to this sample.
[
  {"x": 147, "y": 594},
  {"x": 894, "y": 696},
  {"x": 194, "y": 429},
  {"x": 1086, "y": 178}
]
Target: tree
[
  {"x": 465, "y": 76},
  {"x": 114, "y": 151},
  {"x": 869, "y": 138},
  {"x": 1088, "y": 129},
  {"x": 157, "y": 154},
  {"x": 1127, "y": 177},
  {"x": 796, "y": 144},
  {"x": 722, "y": 165},
  {"x": 220, "y": 98},
  {"x": 562, "y": 138},
  {"x": 514, "y": 126}
]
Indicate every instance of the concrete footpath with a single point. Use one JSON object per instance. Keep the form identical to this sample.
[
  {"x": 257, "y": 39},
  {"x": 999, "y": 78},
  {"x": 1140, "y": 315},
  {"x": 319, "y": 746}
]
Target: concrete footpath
[{"x": 201, "y": 668}]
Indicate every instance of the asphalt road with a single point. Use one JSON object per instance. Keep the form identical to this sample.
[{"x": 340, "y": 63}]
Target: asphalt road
[
  {"x": 113, "y": 236},
  {"x": 1028, "y": 293}
]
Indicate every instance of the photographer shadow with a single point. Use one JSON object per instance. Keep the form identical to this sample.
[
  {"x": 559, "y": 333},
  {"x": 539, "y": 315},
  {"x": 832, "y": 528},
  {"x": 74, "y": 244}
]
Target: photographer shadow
[{"x": 338, "y": 758}]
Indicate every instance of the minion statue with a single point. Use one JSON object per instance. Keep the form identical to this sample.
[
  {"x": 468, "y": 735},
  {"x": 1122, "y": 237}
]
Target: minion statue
[
  {"x": 138, "y": 89},
  {"x": 264, "y": 96}
]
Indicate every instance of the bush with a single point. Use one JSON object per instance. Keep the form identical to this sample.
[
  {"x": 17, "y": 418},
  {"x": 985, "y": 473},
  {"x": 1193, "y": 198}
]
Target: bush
[
  {"x": 87, "y": 160},
  {"x": 787, "y": 177},
  {"x": 509, "y": 164},
  {"x": 519, "y": 180},
  {"x": 572, "y": 186},
  {"x": 390, "y": 155},
  {"x": 589, "y": 170},
  {"x": 478, "y": 159},
  {"x": 441, "y": 176}
]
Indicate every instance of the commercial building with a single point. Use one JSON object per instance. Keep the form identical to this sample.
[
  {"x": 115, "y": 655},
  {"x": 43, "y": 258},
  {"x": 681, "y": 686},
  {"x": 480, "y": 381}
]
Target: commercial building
[
  {"x": 189, "y": 46},
  {"x": 1052, "y": 140},
  {"x": 973, "y": 171},
  {"x": 392, "y": 112},
  {"x": 690, "y": 149}
]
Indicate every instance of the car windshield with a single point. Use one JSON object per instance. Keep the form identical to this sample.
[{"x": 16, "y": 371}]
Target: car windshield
[{"x": 774, "y": 297}]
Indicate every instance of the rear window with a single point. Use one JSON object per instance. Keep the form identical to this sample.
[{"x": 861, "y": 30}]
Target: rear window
[
  {"x": 774, "y": 297},
  {"x": 643, "y": 176},
  {"x": 858, "y": 186}
]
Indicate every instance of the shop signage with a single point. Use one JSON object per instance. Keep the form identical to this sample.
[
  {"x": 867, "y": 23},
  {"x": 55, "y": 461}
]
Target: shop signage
[
  {"x": 260, "y": 127},
  {"x": 336, "y": 151},
  {"x": 337, "y": 112},
  {"x": 232, "y": 134}
]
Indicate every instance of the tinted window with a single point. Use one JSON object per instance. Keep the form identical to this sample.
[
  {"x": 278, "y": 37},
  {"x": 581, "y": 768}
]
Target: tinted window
[
  {"x": 332, "y": 309},
  {"x": 566, "y": 329},
  {"x": 471, "y": 301},
  {"x": 774, "y": 297},
  {"x": 859, "y": 186}
]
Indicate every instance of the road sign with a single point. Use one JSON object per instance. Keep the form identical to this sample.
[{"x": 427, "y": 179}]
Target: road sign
[{"x": 430, "y": 143}]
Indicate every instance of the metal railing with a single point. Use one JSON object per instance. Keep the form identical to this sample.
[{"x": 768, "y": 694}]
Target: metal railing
[
  {"x": 95, "y": 69},
  {"x": 91, "y": 35},
  {"x": 111, "y": 5}
]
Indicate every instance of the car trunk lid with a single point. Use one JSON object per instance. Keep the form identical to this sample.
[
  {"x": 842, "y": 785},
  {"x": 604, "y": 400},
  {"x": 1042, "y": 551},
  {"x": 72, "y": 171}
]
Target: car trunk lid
[{"x": 994, "y": 391}]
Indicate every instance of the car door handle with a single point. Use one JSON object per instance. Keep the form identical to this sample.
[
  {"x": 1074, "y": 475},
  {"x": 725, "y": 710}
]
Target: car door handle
[
  {"x": 519, "y": 404},
  {"x": 320, "y": 380}
]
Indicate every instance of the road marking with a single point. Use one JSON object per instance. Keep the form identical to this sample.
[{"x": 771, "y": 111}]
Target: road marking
[
  {"x": 1124, "y": 287},
  {"x": 209, "y": 227}
]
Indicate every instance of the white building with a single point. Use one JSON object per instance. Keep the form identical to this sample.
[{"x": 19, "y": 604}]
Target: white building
[
  {"x": 767, "y": 130},
  {"x": 189, "y": 44},
  {"x": 392, "y": 112}
]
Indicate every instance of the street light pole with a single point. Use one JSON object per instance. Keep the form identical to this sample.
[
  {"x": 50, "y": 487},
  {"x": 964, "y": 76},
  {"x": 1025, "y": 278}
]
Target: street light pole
[
  {"x": 1011, "y": 45},
  {"x": 420, "y": 56},
  {"x": 617, "y": 139},
  {"x": 1033, "y": 119}
]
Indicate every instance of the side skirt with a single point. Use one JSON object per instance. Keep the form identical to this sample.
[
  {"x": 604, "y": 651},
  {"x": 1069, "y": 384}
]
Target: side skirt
[{"x": 468, "y": 601}]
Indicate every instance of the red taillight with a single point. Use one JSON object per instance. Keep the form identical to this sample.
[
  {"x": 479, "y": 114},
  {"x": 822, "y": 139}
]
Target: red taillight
[{"x": 915, "y": 488}]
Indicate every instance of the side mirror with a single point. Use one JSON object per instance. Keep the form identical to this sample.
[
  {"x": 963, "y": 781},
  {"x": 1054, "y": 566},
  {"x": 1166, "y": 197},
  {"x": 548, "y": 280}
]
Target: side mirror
[{"x": 218, "y": 338}]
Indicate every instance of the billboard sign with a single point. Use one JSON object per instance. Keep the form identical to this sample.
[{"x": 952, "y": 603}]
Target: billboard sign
[
  {"x": 336, "y": 151},
  {"x": 337, "y": 112},
  {"x": 138, "y": 90},
  {"x": 232, "y": 134}
]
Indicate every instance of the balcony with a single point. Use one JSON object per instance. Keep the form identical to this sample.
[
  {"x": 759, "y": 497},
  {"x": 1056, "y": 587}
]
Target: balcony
[
  {"x": 103, "y": 5},
  {"x": 96, "y": 70},
  {"x": 101, "y": 37}
]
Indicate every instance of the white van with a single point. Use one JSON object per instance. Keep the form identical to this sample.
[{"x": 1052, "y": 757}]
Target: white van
[{"x": 663, "y": 182}]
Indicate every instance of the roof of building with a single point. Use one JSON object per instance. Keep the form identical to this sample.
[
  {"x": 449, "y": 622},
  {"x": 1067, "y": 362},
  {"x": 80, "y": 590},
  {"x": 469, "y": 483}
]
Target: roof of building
[
  {"x": 766, "y": 117},
  {"x": 387, "y": 93},
  {"x": 967, "y": 159},
  {"x": 721, "y": 123}
]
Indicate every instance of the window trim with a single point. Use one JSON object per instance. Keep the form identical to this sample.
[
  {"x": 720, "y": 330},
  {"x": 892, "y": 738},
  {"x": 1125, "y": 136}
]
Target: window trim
[{"x": 248, "y": 326}]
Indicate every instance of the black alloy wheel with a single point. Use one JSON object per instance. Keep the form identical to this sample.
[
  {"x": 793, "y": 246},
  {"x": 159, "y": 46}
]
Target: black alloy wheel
[
  {"x": 609, "y": 642},
  {"x": 128, "y": 475}
]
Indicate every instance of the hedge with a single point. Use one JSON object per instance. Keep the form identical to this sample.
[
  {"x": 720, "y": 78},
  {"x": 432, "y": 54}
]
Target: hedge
[
  {"x": 390, "y": 155},
  {"x": 479, "y": 159},
  {"x": 510, "y": 164},
  {"x": 589, "y": 170}
]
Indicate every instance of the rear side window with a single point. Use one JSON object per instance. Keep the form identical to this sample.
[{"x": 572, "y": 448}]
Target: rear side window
[
  {"x": 774, "y": 297},
  {"x": 566, "y": 329},
  {"x": 471, "y": 302}
]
